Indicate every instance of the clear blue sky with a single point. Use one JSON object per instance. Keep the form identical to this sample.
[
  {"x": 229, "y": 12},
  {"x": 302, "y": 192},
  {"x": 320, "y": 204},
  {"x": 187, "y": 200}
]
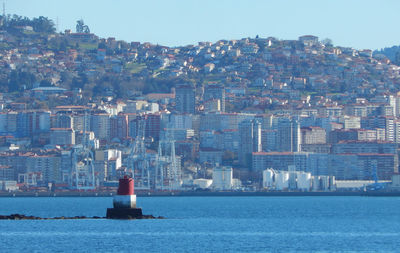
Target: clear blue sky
[{"x": 357, "y": 23}]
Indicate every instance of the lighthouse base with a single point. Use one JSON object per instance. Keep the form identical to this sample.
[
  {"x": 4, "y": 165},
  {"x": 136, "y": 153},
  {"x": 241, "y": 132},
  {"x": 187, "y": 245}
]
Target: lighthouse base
[
  {"x": 124, "y": 213},
  {"x": 124, "y": 201}
]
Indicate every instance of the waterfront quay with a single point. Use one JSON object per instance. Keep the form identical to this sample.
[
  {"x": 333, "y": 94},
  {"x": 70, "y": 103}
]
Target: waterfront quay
[{"x": 202, "y": 193}]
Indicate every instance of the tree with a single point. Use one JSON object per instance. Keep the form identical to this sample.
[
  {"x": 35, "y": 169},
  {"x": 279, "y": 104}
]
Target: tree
[
  {"x": 19, "y": 80},
  {"x": 102, "y": 45},
  {"x": 43, "y": 24},
  {"x": 228, "y": 157},
  {"x": 66, "y": 79},
  {"x": 327, "y": 42},
  {"x": 45, "y": 83},
  {"x": 80, "y": 80}
]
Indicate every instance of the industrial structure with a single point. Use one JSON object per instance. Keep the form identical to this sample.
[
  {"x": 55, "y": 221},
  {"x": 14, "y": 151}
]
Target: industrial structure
[
  {"x": 137, "y": 161},
  {"x": 168, "y": 175},
  {"x": 292, "y": 180},
  {"x": 83, "y": 172}
]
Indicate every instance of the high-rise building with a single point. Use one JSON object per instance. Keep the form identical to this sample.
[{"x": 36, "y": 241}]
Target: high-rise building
[
  {"x": 350, "y": 122},
  {"x": 313, "y": 135},
  {"x": 338, "y": 135},
  {"x": 288, "y": 134},
  {"x": 17, "y": 161},
  {"x": 6, "y": 173},
  {"x": 32, "y": 122},
  {"x": 47, "y": 165},
  {"x": 119, "y": 126},
  {"x": 249, "y": 140},
  {"x": 153, "y": 125},
  {"x": 397, "y": 131},
  {"x": 387, "y": 123},
  {"x": 12, "y": 122},
  {"x": 62, "y": 136},
  {"x": 3, "y": 122},
  {"x": 107, "y": 162},
  {"x": 215, "y": 92},
  {"x": 346, "y": 166},
  {"x": 397, "y": 104},
  {"x": 279, "y": 160},
  {"x": 222, "y": 120},
  {"x": 212, "y": 105},
  {"x": 81, "y": 122},
  {"x": 373, "y": 147},
  {"x": 100, "y": 125},
  {"x": 185, "y": 99},
  {"x": 64, "y": 121},
  {"x": 268, "y": 139}
]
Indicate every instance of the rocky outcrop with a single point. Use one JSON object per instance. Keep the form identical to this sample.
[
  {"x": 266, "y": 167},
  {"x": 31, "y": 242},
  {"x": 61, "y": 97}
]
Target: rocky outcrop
[{"x": 26, "y": 217}]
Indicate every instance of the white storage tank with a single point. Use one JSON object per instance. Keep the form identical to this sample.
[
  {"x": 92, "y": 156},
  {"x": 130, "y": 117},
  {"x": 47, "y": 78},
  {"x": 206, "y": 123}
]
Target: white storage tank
[
  {"x": 236, "y": 183},
  {"x": 396, "y": 180},
  {"x": 324, "y": 182},
  {"x": 315, "y": 183},
  {"x": 268, "y": 178},
  {"x": 292, "y": 180},
  {"x": 222, "y": 178},
  {"x": 282, "y": 180},
  {"x": 202, "y": 183},
  {"x": 304, "y": 181},
  {"x": 332, "y": 183}
]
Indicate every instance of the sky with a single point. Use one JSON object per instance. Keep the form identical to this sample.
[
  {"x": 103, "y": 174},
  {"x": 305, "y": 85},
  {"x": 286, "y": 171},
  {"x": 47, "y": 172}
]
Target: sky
[{"x": 362, "y": 24}]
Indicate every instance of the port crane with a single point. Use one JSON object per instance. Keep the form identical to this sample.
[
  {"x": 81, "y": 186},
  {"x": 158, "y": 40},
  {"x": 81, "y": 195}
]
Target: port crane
[
  {"x": 376, "y": 186},
  {"x": 168, "y": 175},
  {"x": 137, "y": 160},
  {"x": 83, "y": 164}
]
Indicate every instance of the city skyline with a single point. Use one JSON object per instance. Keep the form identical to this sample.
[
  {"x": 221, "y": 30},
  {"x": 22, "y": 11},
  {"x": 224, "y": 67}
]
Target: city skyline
[
  {"x": 358, "y": 24},
  {"x": 237, "y": 126},
  {"x": 157, "y": 112}
]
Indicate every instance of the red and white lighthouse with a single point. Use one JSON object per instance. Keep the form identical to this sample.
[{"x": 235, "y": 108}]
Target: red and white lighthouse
[
  {"x": 124, "y": 202},
  {"x": 125, "y": 197}
]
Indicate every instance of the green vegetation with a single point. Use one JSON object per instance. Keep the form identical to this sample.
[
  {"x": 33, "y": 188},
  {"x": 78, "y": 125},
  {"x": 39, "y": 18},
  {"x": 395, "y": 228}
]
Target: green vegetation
[
  {"x": 18, "y": 81},
  {"x": 87, "y": 46},
  {"x": 134, "y": 67},
  {"x": 29, "y": 32},
  {"x": 41, "y": 24},
  {"x": 212, "y": 78},
  {"x": 154, "y": 68},
  {"x": 254, "y": 91},
  {"x": 309, "y": 93},
  {"x": 4, "y": 45}
]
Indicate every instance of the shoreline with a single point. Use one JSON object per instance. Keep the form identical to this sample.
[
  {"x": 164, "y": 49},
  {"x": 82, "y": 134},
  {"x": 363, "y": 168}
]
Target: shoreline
[{"x": 206, "y": 194}]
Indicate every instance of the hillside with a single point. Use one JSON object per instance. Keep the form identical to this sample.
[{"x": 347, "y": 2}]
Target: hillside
[
  {"x": 393, "y": 53},
  {"x": 32, "y": 55}
]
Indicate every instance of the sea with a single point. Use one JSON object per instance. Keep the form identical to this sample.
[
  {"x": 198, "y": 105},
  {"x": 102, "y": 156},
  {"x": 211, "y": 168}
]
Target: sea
[{"x": 206, "y": 224}]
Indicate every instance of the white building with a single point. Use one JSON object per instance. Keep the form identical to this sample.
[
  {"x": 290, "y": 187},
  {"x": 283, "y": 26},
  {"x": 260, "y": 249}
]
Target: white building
[
  {"x": 107, "y": 162},
  {"x": 222, "y": 178},
  {"x": 202, "y": 183}
]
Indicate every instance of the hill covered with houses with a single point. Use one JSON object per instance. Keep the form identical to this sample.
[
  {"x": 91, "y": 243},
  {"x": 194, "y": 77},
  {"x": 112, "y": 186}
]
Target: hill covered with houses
[
  {"x": 247, "y": 104},
  {"x": 281, "y": 72}
]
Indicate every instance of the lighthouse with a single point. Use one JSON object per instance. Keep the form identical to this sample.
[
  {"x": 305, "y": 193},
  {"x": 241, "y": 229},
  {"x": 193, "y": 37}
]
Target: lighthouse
[{"x": 124, "y": 203}]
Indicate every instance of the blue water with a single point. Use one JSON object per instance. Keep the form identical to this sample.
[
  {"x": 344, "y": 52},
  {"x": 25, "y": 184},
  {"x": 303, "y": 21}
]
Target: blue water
[{"x": 207, "y": 224}]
